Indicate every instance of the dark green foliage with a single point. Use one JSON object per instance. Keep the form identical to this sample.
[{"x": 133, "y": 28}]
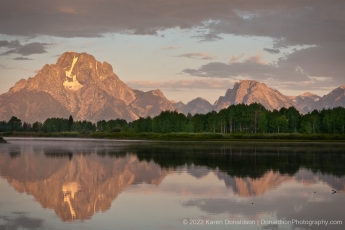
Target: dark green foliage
[
  {"x": 37, "y": 126},
  {"x": 168, "y": 122},
  {"x": 111, "y": 125},
  {"x": 236, "y": 119},
  {"x": 70, "y": 123},
  {"x": 3, "y": 126},
  {"x": 262, "y": 123},
  {"x": 64, "y": 125},
  {"x": 14, "y": 124}
]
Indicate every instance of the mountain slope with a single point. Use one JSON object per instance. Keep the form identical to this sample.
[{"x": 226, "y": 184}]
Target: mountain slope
[
  {"x": 80, "y": 86},
  {"x": 305, "y": 102},
  {"x": 77, "y": 84},
  {"x": 198, "y": 105},
  {"x": 150, "y": 103},
  {"x": 334, "y": 99},
  {"x": 178, "y": 105},
  {"x": 247, "y": 92}
]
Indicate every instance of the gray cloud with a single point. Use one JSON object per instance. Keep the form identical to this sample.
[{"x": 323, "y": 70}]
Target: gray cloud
[
  {"x": 321, "y": 61},
  {"x": 203, "y": 56},
  {"x": 207, "y": 37},
  {"x": 9, "y": 44},
  {"x": 20, "y": 220},
  {"x": 307, "y": 65},
  {"x": 22, "y": 59},
  {"x": 248, "y": 69},
  {"x": 32, "y": 48},
  {"x": 25, "y": 50},
  {"x": 272, "y": 51},
  {"x": 90, "y": 18},
  {"x": 307, "y": 23}
]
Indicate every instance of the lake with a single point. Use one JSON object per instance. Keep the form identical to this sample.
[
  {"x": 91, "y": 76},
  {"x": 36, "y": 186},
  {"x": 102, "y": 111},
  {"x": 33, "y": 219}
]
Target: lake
[{"x": 107, "y": 184}]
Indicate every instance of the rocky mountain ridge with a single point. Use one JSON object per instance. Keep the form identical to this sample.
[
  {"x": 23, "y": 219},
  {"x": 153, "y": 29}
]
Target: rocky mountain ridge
[
  {"x": 87, "y": 89},
  {"x": 80, "y": 86},
  {"x": 249, "y": 91}
]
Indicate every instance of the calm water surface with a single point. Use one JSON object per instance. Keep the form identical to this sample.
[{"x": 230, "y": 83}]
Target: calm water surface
[{"x": 100, "y": 184}]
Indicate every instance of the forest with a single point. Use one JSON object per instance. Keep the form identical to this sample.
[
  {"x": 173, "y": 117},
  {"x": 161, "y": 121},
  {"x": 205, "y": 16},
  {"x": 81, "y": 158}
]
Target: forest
[{"x": 240, "y": 118}]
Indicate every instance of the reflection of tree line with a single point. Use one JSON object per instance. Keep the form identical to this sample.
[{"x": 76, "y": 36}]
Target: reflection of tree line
[
  {"x": 97, "y": 172},
  {"x": 240, "y": 160}
]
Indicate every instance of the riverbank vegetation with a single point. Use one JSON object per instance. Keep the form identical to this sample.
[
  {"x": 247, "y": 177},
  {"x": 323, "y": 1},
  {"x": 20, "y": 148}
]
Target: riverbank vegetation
[
  {"x": 2, "y": 140},
  {"x": 236, "y": 122}
]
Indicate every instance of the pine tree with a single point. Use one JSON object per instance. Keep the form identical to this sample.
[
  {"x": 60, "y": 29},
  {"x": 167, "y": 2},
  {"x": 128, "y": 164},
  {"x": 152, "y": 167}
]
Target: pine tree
[{"x": 70, "y": 123}]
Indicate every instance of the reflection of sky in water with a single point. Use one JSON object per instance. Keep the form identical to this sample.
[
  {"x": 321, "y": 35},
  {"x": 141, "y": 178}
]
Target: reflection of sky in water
[{"x": 137, "y": 194}]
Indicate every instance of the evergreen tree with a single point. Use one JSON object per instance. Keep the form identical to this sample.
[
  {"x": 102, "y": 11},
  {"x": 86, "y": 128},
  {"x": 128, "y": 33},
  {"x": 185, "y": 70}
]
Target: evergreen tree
[{"x": 70, "y": 123}]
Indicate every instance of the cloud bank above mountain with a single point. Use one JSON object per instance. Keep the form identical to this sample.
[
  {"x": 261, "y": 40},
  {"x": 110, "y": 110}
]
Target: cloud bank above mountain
[{"x": 306, "y": 38}]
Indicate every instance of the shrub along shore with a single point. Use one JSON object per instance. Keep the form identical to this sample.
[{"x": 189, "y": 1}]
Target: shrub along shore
[
  {"x": 183, "y": 136},
  {"x": 2, "y": 140}
]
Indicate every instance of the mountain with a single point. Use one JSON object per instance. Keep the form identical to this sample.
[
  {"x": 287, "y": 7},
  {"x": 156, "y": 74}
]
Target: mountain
[
  {"x": 80, "y": 86},
  {"x": 198, "y": 105},
  {"x": 305, "y": 102},
  {"x": 334, "y": 99},
  {"x": 178, "y": 105},
  {"x": 150, "y": 103},
  {"x": 87, "y": 89},
  {"x": 247, "y": 92}
]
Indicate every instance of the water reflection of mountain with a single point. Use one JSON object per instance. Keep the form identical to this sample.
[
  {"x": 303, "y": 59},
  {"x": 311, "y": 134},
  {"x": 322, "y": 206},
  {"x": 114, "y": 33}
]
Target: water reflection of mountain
[
  {"x": 75, "y": 187},
  {"x": 77, "y": 180}
]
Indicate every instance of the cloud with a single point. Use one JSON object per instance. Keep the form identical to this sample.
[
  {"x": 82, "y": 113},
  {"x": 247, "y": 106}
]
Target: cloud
[
  {"x": 22, "y": 58},
  {"x": 257, "y": 58},
  {"x": 182, "y": 84},
  {"x": 319, "y": 61},
  {"x": 25, "y": 50},
  {"x": 296, "y": 21},
  {"x": 314, "y": 23},
  {"x": 313, "y": 67},
  {"x": 272, "y": 51},
  {"x": 236, "y": 58},
  {"x": 203, "y": 56},
  {"x": 20, "y": 220},
  {"x": 207, "y": 37},
  {"x": 9, "y": 44},
  {"x": 307, "y": 23},
  {"x": 247, "y": 69},
  {"x": 171, "y": 47},
  {"x": 325, "y": 85}
]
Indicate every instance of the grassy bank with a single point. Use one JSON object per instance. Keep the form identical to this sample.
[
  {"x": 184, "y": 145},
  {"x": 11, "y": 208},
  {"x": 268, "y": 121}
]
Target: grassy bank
[{"x": 185, "y": 136}]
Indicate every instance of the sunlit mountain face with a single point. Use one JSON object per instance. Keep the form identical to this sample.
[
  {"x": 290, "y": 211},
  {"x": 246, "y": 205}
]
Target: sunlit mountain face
[{"x": 84, "y": 180}]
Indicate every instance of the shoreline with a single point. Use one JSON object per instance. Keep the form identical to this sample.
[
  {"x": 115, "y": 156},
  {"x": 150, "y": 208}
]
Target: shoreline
[
  {"x": 238, "y": 141},
  {"x": 182, "y": 137}
]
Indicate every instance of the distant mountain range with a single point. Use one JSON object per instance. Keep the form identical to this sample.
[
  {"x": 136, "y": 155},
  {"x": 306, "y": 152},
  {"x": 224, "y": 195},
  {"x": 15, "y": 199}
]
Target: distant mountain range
[{"x": 85, "y": 88}]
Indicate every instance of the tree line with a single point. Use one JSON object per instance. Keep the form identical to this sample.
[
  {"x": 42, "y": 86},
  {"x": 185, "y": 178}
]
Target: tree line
[{"x": 240, "y": 118}]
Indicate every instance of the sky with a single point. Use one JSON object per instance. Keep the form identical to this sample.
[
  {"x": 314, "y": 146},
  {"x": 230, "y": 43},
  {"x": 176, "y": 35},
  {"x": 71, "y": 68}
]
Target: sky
[{"x": 185, "y": 48}]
